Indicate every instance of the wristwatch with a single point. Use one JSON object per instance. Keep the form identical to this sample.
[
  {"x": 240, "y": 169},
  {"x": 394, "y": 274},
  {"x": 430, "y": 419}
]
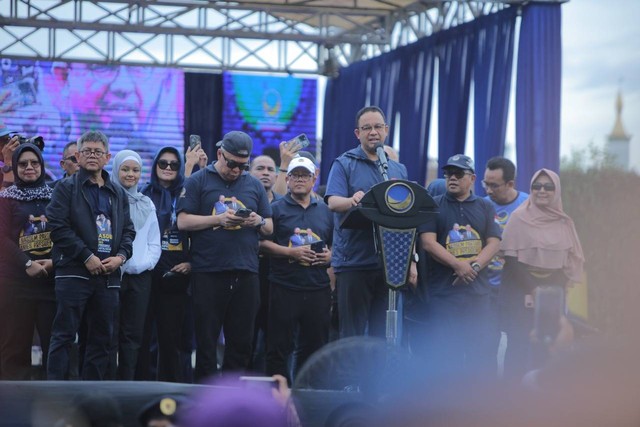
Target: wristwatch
[
  {"x": 476, "y": 267},
  {"x": 262, "y": 222},
  {"x": 7, "y": 168},
  {"x": 28, "y": 264}
]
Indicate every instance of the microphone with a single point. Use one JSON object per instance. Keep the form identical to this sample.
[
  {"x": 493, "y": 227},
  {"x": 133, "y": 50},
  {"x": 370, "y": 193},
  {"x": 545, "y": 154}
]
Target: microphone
[{"x": 382, "y": 157}]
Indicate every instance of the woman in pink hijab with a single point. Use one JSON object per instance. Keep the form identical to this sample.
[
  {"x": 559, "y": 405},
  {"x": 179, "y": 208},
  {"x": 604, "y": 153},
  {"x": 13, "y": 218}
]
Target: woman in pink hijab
[{"x": 541, "y": 249}]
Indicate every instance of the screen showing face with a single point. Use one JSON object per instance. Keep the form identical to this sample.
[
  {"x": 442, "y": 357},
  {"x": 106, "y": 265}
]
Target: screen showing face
[
  {"x": 138, "y": 108},
  {"x": 270, "y": 109}
]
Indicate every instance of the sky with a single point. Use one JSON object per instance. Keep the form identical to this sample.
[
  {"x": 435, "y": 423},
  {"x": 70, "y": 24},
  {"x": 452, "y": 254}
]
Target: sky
[{"x": 601, "y": 55}]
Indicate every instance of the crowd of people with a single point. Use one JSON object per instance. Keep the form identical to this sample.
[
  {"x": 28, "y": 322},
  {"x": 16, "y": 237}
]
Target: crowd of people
[{"x": 241, "y": 261}]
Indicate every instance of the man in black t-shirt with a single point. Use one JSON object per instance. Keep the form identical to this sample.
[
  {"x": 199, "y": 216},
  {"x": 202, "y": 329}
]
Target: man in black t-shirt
[
  {"x": 224, "y": 252},
  {"x": 457, "y": 338},
  {"x": 300, "y": 295}
]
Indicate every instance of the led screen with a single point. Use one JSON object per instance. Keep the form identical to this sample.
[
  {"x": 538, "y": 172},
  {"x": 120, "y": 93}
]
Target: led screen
[
  {"x": 270, "y": 109},
  {"x": 139, "y": 108}
]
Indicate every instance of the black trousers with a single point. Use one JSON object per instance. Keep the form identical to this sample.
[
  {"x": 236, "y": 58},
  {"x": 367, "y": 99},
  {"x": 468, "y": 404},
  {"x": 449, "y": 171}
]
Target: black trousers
[
  {"x": 134, "y": 302},
  {"x": 224, "y": 301},
  {"x": 98, "y": 303},
  {"x": 363, "y": 300},
  {"x": 20, "y": 312},
  {"x": 169, "y": 306},
  {"x": 308, "y": 312}
]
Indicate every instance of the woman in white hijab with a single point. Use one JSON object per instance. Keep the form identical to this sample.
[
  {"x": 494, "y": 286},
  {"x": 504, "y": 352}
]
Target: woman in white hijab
[{"x": 136, "y": 280}]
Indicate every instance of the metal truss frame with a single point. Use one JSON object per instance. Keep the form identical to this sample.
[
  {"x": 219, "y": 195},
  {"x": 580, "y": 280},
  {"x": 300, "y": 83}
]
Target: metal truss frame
[{"x": 301, "y": 37}]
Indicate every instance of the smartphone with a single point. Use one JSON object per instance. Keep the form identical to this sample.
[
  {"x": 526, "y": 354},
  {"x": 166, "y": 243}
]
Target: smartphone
[
  {"x": 243, "y": 212},
  {"x": 169, "y": 275},
  {"x": 549, "y": 307},
  {"x": 194, "y": 141},
  {"x": 301, "y": 140},
  {"x": 317, "y": 247},
  {"x": 259, "y": 382}
]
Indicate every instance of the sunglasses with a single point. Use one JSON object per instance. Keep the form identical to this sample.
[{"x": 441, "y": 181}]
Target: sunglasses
[
  {"x": 23, "y": 164},
  {"x": 232, "y": 164},
  {"x": 458, "y": 173},
  {"x": 72, "y": 159},
  {"x": 165, "y": 164},
  {"x": 547, "y": 187}
]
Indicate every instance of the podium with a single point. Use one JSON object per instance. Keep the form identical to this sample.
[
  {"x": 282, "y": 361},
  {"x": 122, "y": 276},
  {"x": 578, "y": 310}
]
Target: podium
[{"x": 393, "y": 210}]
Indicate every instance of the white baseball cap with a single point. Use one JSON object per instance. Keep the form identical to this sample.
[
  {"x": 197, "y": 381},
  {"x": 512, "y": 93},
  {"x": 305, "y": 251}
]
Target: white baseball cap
[{"x": 302, "y": 162}]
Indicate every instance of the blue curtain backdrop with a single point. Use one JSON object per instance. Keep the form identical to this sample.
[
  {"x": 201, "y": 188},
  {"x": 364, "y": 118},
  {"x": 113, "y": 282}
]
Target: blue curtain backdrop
[
  {"x": 492, "y": 88},
  {"x": 415, "y": 95},
  {"x": 454, "y": 79},
  {"x": 538, "y": 91},
  {"x": 401, "y": 82}
]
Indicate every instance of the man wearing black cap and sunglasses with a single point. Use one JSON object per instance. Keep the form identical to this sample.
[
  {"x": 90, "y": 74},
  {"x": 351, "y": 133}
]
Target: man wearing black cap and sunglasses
[
  {"x": 459, "y": 337},
  {"x": 224, "y": 252}
]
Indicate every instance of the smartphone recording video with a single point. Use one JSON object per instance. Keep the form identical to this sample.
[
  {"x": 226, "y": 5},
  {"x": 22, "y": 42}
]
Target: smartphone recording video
[
  {"x": 194, "y": 141},
  {"x": 301, "y": 142}
]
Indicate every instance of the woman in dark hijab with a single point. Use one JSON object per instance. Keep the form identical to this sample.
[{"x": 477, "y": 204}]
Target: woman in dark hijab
[
  {"x": 170, "y": 280},
  {"x": 541, "y": 250},
  {"x": 27, "y": 297}
]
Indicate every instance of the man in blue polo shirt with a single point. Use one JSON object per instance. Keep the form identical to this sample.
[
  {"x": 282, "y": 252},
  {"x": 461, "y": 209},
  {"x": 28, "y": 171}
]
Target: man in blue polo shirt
[
  {"x": 499, "y": 183},
  {"x": 224, "y": 252},
  {"x": 362, "y": 292},
  {"x": 300, "y": 296},
  {"x": 457, "y": 333}
]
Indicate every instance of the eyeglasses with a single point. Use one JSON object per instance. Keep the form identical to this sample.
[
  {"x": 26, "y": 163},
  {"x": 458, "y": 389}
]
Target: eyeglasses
[
  {"x": 490, "y": 185},
  {"x": 301, "y": 178},
  {"x": 368, "y": 128},
  {"x": 23, "y": 164},
  {"x": 547, "y": 186},
  {"x": 96, "y": 153},
  {"x": 232, "y": 164},
  {"x": 165, "y": 164},
  {"x": 458, "y": 173},
  {"x": 72, "y": 159}
]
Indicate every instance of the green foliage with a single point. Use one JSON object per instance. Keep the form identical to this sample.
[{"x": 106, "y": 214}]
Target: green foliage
[{"x": 604, "y": 202}]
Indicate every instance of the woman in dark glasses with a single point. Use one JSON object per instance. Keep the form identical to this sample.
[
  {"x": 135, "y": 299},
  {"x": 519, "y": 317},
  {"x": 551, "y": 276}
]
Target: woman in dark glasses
[
  {"x": 542, "y": 256},
  {"x": 170, "y": 279},
  {"x": 27, "y": 297}
]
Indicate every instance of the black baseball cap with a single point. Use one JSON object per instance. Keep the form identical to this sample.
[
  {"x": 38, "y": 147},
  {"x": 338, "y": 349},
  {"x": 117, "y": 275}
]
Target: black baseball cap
[{"x": 237, "y": 143}]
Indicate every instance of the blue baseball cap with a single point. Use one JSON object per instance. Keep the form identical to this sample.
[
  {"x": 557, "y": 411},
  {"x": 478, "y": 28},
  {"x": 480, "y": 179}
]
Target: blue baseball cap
[
  {"x": 460, "y": 161},
  {"x": 4, "y": 130}
]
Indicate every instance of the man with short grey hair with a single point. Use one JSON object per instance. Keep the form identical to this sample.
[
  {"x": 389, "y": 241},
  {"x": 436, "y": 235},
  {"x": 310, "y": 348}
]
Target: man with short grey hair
[{"x": 92, "y": 237}]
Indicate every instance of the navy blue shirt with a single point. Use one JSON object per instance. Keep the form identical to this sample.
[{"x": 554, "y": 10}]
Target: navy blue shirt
[
  {"x": 463, "y": 229},
  {"x": 223, "y": 249},
  {"x": 350, "y": 173},
  {"x": 294, "y": 225}
]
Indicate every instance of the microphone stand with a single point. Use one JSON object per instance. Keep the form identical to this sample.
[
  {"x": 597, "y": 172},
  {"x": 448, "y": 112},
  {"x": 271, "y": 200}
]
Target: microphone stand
[{"x": 392, "y": 309}]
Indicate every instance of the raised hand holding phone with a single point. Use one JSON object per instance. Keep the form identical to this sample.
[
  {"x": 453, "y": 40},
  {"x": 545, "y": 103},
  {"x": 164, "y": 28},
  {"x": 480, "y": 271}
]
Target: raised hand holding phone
[{"x": 298, "y": 143}]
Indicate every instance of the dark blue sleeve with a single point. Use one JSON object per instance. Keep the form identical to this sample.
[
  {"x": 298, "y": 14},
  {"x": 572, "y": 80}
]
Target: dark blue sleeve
[
  {"x": 189, "y": 200},
  {"x": 337, "y": 182}
]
